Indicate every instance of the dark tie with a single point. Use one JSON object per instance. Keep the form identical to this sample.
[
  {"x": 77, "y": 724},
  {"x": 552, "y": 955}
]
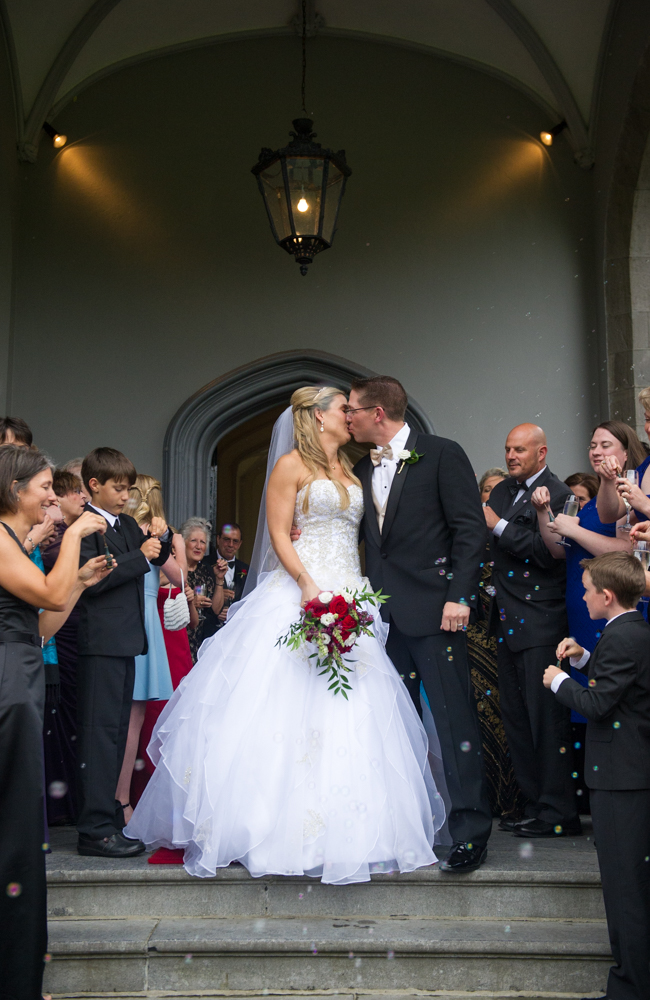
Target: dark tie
[
  {"x": 514, "y": 487},
  {"x": 116, "y": 526},
  {"x": 231, "y": 563}
]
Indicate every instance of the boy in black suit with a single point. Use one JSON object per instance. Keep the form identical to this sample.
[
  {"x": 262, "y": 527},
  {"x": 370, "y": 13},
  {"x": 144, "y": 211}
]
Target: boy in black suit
[
  {"x": 617, "y": 762},
  {"x": 111, "y": 634}
]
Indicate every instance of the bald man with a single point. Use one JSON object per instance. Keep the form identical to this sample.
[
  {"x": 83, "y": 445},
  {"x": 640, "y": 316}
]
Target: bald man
[{"x": 528, "y": 616}]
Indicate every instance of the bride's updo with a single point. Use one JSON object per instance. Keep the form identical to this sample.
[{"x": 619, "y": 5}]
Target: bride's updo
[{"x": 304, "y": 404}]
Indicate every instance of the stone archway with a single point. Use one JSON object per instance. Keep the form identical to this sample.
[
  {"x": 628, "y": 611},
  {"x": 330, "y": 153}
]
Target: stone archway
[{"x": 229, "y": 401}]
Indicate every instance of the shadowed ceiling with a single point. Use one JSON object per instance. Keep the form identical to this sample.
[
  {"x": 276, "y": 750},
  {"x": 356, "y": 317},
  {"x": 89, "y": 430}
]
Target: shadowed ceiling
[{"x": 551, "y": 49}]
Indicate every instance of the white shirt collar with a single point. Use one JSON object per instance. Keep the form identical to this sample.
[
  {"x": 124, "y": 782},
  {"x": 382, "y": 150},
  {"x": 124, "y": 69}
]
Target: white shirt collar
[
  {"x": 531, "y": 479},
  {"x": 619, "y": 615},
  {"x": 398, "y": 443},
  {"x": 111, "y": 518}
]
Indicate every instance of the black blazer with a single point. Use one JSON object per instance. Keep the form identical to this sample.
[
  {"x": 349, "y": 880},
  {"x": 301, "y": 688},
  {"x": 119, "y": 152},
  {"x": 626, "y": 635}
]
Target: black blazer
[
  {"x": 211, "y": 622},
  {"x": 433, "y": 513},
  {"x": 111, "y": 621},
  {"x": 241, "y": 572},
  {"x": 617, "y": 706},
  {"x": 529, "y": 582}
]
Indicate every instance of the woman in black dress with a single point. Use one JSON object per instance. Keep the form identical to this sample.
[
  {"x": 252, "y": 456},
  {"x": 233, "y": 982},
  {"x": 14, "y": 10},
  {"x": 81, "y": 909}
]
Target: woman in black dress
[{"x": 25, "y": 493}]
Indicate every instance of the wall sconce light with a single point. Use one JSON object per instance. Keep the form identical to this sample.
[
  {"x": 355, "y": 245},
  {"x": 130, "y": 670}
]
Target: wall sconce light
[
  {"x": 58, "y": 141},
  {"x": 547, "y": 137}
]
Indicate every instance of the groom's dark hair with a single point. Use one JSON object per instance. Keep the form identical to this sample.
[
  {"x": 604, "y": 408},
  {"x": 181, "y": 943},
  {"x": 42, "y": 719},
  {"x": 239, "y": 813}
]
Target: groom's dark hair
[{"x": 384, "y": 391}]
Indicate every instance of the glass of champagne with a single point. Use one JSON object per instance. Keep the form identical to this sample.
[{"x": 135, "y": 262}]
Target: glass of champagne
[
  {"x": 571, "y": 509},
  {"x": 642, "y": 553},
  {"x": 632, "y": 477},
  {"x": 199, "y": 590}
]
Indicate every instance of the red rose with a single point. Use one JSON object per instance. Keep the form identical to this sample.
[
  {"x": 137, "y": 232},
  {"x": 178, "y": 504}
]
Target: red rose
[
  {"x": 347, "y": 624},
  {"x": 338, "y": 605},
  {"x": 317, "y": 609}
]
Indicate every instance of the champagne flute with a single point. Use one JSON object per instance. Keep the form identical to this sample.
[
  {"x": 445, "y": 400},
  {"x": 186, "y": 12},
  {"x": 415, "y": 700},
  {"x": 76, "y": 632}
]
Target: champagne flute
[
  {"x": 642, "y": 553},
  {"x": 571, "y": 509},
  {"x": 632, "y": 477},
  {"x": 199, "y": 590}
]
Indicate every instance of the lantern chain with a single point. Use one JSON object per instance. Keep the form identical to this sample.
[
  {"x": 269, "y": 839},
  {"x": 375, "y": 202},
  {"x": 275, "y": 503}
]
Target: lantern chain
[{"x": 304, "y": 54}]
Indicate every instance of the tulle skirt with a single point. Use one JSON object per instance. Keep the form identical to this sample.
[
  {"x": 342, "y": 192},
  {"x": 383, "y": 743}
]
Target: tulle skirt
[{"x": 257, "y": 762}]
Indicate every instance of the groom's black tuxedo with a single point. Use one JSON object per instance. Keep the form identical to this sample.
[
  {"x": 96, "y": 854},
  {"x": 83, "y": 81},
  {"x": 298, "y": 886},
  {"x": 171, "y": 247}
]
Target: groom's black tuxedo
[
  {"x": 111, "y": 634},
  {"x": 617, "y": 772},
  {"x": 429, "y": 552}
]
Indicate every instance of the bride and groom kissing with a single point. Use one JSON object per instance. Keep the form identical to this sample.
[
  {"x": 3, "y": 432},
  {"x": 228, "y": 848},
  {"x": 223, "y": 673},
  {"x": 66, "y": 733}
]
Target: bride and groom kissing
[{"x": 257, "y": 761}]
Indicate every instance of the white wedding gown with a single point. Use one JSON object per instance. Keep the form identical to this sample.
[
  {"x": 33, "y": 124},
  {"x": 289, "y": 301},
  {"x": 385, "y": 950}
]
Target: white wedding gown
[{"x": 257, "y": 762}]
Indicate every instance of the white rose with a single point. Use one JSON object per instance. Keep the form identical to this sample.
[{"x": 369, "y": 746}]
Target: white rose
[
  {"x": 403, "y": 455},
  {"x": 350, "y": 641},
  {"x": 347, "y": 596},
  {"x": 328, "y": 619},
  {"x": 325, "y": 597},
  {"x": 326, "y": 639}
]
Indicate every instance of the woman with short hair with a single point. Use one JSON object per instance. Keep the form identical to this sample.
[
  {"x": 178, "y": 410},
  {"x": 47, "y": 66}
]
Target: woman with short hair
[
  {"x": 25, "y": 491},
  {"x": 196, "y": 532}
]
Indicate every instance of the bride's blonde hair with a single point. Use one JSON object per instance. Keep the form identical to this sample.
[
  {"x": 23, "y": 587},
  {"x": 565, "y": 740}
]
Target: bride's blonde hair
[
  {"x": 304, "y": 404},
  {"x": 145, "y": 500}
]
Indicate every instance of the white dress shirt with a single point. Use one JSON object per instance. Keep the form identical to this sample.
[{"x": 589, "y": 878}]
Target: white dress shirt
[
  {"x": 502, "y": 523},
  {"x": 111, "y": 518},
  {"x": 384, "y": 473},
  {"x": 581, "y": 662},
  {"x": 229, "y": 578}
]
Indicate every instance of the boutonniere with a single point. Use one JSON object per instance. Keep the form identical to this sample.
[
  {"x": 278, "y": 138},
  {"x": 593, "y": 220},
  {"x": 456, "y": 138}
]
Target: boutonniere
[
  {"x": 408, "y": 458},
  {"x": 243, "y": 572}
]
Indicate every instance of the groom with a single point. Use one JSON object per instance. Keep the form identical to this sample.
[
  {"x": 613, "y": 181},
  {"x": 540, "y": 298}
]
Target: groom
[{"x": 425, "y": 536}]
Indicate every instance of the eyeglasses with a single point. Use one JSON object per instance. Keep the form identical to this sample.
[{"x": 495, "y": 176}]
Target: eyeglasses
[{"x": 356, "y": 409}]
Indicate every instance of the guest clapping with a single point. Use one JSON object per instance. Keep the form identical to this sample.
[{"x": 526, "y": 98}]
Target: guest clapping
[
  {"x": 206, "y": 582},
  {"x": 530, "y": 622},
  {"x": 25, "y": 488}
]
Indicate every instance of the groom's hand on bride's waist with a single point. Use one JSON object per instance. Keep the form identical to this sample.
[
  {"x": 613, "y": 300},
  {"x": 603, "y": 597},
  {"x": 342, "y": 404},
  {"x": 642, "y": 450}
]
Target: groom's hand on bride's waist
[
  {"x": 295, "y": 533},
  {"x": 455, "y": 617}
]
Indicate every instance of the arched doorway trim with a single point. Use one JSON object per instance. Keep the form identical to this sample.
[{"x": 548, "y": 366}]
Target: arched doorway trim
[{"x": 230, "y": 400}]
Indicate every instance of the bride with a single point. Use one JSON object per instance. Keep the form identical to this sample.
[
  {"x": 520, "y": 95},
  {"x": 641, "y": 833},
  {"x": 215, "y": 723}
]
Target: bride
[{"x": 256, "y": 761}]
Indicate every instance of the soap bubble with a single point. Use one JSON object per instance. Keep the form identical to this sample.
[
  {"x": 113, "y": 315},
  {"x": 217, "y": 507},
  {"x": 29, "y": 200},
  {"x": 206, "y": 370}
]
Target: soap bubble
[
  {"x": 511, "y": 572},
  {"x": 450, "y": 658},
  {"x": 558, "y": 828},
  {"x": 450, "y": 576},
  {"x": 188, "y": 958},
  {"x": 47, "y": 957},
  {"x": 488, "y": 692},
  {"x": 413, "y": 675},
  {"x": 45, "y": 846},
  {"x": 577, "y": 745},
  {"x": 449, "y": 649},
  {"x": 528, "y": 596},
  {"x": 441, "y": 572},
  {"x": 300, "y": 895},
  {"x": 562, "y": 749},
  {"x": 507, "y": 928},
  {"x": 57, "y": 789},
  {"x": 574, "y": 774},
  {"x": 527, "y": 573},
  {"x": 617, "y": 725},
  {"x": 595, "y": 767},
  {"x": 14, "y": 890},
  {"x": 390, "y": 954},
  {"x": 139, "y": 765},
  {"x": 526, "y": 851},
  {"x": 592, "y": 682},
  {"x": 510, "y": 631},
  {"x": 466, "y": 746},
  {"x": 536, "y": 586}
]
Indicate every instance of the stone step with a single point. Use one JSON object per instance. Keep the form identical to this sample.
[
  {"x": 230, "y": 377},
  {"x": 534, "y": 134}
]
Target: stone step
[
  {"x": 280, "y": 953},
  {"x": 167, "y": 891}
]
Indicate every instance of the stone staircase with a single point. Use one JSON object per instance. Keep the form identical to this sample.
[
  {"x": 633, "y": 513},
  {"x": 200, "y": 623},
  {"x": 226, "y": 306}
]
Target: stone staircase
[{"x": 531, "y": 923}]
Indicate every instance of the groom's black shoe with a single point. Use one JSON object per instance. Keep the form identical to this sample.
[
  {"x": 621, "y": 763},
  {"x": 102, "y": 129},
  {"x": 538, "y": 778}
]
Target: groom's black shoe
[
  {"x": 117, "y": 846},
  {"x": 464, "y": 858},
  {"x": 509, "y": 824},
  {"x": 540, "y": 828}
]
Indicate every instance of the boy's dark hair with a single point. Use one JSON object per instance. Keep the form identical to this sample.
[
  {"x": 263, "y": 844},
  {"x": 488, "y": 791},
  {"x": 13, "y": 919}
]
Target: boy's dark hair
[
  {"x": 17, "y": 467},
  {"x": 64, "y": 482},
  {"x": 103, "y": 464},
  {"x": 226, "y": 525},
  {"x": 385, "y": 391},
  {"x": 619, "y": 572},
  {"x": 21, "y": 431}
]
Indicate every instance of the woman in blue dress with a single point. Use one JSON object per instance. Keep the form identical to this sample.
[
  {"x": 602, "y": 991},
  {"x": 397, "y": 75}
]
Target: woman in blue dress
[
  {"x": 152, "y": 675},
  {"x": 587, "y": 537},
  {"x": 616, "y": 496}
]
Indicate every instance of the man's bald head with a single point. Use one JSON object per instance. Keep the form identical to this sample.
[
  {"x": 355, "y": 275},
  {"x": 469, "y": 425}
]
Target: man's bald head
[{"x": 526, "y": 450}]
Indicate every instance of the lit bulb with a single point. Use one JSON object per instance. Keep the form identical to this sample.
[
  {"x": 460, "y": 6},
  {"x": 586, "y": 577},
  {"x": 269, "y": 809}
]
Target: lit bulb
[
  {"x": 59, "y": 140},
  {"x": 302, "y": 205},
  {"x": 547, "y": 138}
]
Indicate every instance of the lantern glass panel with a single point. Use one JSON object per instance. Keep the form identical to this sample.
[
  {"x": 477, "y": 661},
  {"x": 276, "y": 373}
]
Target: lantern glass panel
[
  {"x": 305, "y": 176},
  {"x": 333, "y": 195},
  {"x": 272, "y": 183}
]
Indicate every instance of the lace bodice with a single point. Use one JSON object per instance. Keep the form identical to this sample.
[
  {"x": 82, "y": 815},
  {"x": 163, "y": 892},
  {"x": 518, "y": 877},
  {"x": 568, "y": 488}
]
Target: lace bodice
[{"x": 328, "y": 545}]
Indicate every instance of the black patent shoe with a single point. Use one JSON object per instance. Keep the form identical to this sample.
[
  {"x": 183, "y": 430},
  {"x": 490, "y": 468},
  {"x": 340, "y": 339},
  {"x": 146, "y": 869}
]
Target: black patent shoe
[
  {"x": 464, "y": 858},
  {"x": 537, "y": 828},
  {"x": 508, "y": 824},
  {"x": 116, "y": 846}
]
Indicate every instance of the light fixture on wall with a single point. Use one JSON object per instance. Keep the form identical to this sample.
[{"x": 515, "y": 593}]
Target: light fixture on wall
[
  {"x": 302, "y": 185},
  {"x": 547, "y": 137},
  {"x": 58, "y": 140}
]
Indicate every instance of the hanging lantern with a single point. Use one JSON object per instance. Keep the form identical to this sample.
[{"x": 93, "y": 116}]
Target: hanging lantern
[{"x": 302, "y": 186}]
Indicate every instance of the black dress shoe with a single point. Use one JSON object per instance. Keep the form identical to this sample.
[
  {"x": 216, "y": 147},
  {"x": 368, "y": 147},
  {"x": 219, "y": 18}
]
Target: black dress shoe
[
  {"x": 117, "y": 846},
  {"x": 508, "y": 824},
  {"x": 537, "y": 828},
  {"x": 464, "y": 858}
]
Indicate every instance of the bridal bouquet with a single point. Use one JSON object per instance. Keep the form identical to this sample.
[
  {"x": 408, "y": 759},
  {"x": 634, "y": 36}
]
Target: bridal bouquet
[{"x": 333, "y": 623}]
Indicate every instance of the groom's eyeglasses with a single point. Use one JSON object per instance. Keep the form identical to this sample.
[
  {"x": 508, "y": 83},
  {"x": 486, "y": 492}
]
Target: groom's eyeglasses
[{"x": 348, "y": 409}]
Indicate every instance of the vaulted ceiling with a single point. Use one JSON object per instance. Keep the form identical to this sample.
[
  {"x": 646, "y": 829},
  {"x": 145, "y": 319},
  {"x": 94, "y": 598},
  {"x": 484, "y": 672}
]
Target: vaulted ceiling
[{"x": 551, "y": 49}]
